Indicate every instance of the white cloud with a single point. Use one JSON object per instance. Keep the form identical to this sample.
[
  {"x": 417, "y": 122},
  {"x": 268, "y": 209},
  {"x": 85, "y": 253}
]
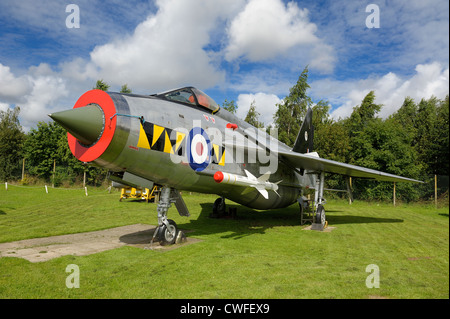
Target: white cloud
[
  {"x": 266, "y": 29},
  {"x": 390, "y": 89},
  {"x": 47, "y": 91},
  {"x": 165, "y": 44},
  {"x": 167, "y": 49},
  {"x": 4, "y": 107},
  {"x": 99, "y": 23},
  {"x": 12, "y": 87},
  {"x": 265, "y": 106},
  {"x": 37, "y": 92}
]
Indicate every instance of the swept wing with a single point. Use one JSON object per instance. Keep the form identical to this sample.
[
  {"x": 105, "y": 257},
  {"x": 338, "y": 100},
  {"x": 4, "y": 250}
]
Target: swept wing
[{"x": 311, "y": 161}]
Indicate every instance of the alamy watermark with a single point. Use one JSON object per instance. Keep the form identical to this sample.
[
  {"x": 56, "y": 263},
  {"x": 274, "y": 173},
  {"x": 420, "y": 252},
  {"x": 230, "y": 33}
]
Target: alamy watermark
[
  {"x": 248, "y": 146},
  {"x": 73, "y": 19},
  {"x": 73, "y": 280},
  {"x": 373, "y": 280},
  {"x": 373, "y": 19}
]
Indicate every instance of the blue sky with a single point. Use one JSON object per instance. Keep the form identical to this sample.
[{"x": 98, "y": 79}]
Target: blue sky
[{"x": 240, "y": 50}]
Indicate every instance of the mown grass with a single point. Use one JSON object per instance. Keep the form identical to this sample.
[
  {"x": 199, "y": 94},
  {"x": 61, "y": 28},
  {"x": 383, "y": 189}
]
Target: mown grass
[{"x": 262, "y": 254}]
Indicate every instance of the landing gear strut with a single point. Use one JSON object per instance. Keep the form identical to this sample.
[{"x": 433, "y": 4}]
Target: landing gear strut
[
  {"x": 319, "y": 222},
  {"x": 316, "y": 213},
  {"x": 167, "y": 230}
]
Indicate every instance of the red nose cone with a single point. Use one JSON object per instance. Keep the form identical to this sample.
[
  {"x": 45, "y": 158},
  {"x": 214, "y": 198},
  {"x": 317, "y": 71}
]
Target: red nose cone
[{"x": 218, "y": 176}]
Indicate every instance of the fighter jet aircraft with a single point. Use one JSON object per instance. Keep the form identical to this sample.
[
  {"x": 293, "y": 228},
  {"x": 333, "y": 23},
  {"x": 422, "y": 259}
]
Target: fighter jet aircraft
[{"x": 182, "y": 140}]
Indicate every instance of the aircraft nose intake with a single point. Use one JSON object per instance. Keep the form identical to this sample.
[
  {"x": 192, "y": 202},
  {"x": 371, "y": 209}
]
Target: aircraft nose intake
[{"x": 84, "y": 123}]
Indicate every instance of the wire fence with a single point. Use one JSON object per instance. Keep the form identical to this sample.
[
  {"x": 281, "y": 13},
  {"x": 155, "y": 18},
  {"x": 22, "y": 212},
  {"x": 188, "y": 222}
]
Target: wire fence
[
  {"x": 48, "y": 189},
  {"x": 435, "y": 188}
]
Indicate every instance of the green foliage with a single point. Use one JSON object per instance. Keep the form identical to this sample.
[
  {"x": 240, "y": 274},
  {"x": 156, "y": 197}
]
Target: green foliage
[
  {"x": 11, "y": 141},
  {"x": 230, "y": 106},
  {"x": 47, "y": 145},
  {"x": 41, "y": 149},
  {"x": 125, "y": 89},
  {"x": 441, "y": 139},
  {"x": 101, "y": 85},
  {"x": 367, "y": 111},
  {"x": 252, "y": 117},
  {"x": 433, "y": 135},
  {"x": 382, "y": 146},
  {"x": 413, "y": 142},
  {"x": 292, "y": 110}
]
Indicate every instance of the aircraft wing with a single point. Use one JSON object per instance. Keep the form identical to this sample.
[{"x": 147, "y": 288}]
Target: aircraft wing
[{"x": 311, "y": 161}]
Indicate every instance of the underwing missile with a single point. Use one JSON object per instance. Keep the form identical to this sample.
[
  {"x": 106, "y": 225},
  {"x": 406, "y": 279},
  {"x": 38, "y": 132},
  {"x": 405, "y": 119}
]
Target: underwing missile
[{"x": 261, "y": 183}]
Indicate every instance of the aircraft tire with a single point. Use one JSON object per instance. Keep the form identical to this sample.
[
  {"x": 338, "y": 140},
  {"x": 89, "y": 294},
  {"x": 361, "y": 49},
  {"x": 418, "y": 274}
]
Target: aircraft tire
[
  {"x": 219, "y": 207},
  {"x": 168, "y": 236},
  {"x": 320, "y": 215}
]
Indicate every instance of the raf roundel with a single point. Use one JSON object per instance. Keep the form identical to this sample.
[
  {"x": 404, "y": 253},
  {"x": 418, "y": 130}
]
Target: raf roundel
[
  {"x": 198, "y": 149},
  {"x": 92, "y": 152}
]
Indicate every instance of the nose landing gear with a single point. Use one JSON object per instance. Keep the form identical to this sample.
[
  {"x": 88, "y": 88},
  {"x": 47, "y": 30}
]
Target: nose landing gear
[{"x": 167, "y": 232}]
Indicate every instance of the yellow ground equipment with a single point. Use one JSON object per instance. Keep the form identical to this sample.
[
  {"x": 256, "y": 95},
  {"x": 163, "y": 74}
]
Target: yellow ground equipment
[{"x": 139, "y": 193}]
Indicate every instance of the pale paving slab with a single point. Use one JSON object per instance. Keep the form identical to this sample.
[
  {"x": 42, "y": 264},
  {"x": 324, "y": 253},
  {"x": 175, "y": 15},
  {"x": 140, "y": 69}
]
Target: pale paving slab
[{"x": 81, "y": 244}]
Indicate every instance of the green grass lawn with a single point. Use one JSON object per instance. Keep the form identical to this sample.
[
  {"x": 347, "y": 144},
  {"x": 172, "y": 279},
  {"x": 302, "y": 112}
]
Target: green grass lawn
[{"x": 262, "y": 254}]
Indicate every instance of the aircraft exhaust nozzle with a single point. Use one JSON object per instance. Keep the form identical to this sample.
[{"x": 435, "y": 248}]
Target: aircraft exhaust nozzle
[{"x": 86, "y": 124}]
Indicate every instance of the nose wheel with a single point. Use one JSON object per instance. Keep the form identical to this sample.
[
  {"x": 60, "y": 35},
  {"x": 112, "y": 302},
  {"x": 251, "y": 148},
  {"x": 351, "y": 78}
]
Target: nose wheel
[{"x": 167, "y": 231}]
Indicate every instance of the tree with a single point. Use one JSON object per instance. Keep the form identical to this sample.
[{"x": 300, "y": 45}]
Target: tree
[
  {"x": 48, "y": 143},
  {"x": 230, "y": 106},
  {"x": 40, "y": 148},
  {"x": 253, "y": 115},
  {"x": 426, "y": 134},
  {"x": 431, "y": 135},
  {"x": 442, "y": 138},
  {"x": 292, "y": 110},
  {"x": 383, "y": 145},
  {"x": 363, "y": 114},
  {"x": 101, "y": 85},
  {"x": 125, "y": 89},
  {"x": 11, "y": 142},
  {"x": 406, "y": 119}
]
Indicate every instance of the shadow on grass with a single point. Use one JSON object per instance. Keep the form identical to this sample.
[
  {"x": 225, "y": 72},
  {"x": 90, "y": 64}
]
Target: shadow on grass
[
  {"x": 247, "y": 222},
  {"x": 343, "y": 219},
  {"x": 250, "y": 221}
]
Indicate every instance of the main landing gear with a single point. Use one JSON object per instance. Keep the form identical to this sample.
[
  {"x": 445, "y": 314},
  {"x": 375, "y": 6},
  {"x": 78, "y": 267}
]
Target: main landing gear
[
  {"x": 316, "y": 213},
  {"x": 220, "y": 210},
  {"x": 167, "y": 232}
]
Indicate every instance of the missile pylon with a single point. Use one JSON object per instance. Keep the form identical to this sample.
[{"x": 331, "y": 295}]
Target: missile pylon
[{"x": 261, "y": 184}]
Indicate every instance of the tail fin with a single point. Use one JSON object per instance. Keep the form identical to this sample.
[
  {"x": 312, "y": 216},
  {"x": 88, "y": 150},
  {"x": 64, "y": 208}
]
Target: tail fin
[{"x": 304, "y": 142}]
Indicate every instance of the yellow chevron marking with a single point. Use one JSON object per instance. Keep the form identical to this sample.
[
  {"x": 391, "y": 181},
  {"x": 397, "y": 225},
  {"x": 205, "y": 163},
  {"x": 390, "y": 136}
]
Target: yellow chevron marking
[
  {"x": 180, "y": 138},
  {"x": 216, "y": 153},
  {"x": 222, "y": 160},
  {"x": 143, "y": 140},
  {"x": 167, "y": 144},
  {"x": 157, "y": 131}
]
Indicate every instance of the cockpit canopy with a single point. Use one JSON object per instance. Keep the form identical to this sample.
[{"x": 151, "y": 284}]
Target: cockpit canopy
[{"x": 190, "y": 95}]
